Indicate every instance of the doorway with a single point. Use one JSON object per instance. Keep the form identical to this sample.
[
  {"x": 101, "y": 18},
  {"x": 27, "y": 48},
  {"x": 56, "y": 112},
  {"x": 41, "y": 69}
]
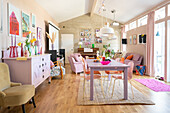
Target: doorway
[{"x": 67, "y": 43}]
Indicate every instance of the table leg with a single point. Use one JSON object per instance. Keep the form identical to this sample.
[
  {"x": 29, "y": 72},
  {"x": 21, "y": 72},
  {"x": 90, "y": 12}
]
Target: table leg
[
  {"x": 91, "y": 84},
  {"x": 125, "y": 84}
]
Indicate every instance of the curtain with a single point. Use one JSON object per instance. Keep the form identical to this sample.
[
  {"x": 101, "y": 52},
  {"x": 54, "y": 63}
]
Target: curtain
[{"x": 150, "y": 45}]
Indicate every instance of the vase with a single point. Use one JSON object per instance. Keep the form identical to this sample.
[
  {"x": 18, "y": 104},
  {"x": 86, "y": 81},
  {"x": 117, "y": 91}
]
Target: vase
[
  {"x": 22, "y": 50},
  {"x": 26, "y": 53},
  {"x": 35, "y": 50},
  {"x": 107, "y": 55},
  {"x": 52, "y": 46}
]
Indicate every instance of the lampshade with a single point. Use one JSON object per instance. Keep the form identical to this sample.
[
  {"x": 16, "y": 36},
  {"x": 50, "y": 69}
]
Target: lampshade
[
  {"x": 80, "y": 43},
  {"x": 157, "y": 34},
  {"x": 106, "y": 29}
]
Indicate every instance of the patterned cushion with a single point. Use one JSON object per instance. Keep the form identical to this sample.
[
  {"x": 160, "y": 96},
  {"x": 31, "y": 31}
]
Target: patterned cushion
[{"x": 55, "y": 71}]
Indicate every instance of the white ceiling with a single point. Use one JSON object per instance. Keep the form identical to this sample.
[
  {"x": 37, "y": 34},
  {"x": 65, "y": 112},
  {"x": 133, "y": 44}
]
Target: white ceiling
[
  {"x": 62, "y": 10},
  {"x": 125, "y": 9}
]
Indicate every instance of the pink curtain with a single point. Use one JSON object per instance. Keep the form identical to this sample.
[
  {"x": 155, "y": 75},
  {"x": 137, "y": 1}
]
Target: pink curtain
[{"x": 150, "y": 45}]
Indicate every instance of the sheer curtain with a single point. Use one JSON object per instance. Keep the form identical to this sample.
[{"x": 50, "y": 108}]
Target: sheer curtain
[{"x": 150, "y": 45}]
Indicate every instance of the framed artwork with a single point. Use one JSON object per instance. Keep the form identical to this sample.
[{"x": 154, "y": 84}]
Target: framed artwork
[
  {"x": 1, "y": 15},
  {"x": 14, "y": 20},
  {"x": 81, "y": 33},
  {"x": 25, "y": 25},
  {"x": 39, "y": 33},
  {"x": 98, "y": 40},
  {"x": 97, "y": 33},
  {"x": 130, "y": 40},
  {"x": 134, "y": 39},
  {"x": 33, "y": 20}
]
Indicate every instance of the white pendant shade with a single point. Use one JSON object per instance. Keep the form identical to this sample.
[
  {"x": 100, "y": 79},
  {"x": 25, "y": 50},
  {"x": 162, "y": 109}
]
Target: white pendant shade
[{"x": 106, "y": 29}]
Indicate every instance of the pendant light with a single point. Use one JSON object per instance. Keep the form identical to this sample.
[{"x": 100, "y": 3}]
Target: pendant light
[
  {"x": 114, "y": 22},
  {"x": 106, "y": 29}
]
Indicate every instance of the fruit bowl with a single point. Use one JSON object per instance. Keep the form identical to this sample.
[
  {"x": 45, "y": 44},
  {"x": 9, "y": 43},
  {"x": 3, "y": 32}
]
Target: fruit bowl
[{"x": 105, "y": 62}]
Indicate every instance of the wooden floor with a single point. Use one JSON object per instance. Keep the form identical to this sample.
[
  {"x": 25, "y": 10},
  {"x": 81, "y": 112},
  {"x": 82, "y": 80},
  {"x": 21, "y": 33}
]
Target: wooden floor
[{"x": 61, "y": 97}]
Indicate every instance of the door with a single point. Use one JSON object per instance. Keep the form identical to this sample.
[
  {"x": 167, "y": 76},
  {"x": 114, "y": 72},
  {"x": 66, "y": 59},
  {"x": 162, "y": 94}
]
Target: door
[
  {"x": 168, "y": 51},
  {"x": 159, "y": 49},
  {"x": 67, "y": 43}
]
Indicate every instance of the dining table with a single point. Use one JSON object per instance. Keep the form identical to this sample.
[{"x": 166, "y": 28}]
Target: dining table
[{"x": 113, "y": 65}]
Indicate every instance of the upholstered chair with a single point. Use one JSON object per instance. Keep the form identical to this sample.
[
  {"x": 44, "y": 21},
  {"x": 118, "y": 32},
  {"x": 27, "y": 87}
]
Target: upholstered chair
[{"x": 14, "y": 94}]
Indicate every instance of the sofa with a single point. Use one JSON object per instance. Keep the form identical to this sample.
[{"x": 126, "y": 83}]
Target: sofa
[
  {"x": 137, "y": 59},
  {"x": 76, "y": 63}
]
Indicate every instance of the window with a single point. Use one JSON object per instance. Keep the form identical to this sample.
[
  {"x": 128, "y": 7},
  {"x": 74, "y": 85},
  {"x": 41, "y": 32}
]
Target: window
[
  {"x": 142, "y": 21},
  {"x": 169, "y": 10},
  {"x": 132, "y": 25},
  {"x": 126, "y": 28},
  {"x": 159, "y": 14}
]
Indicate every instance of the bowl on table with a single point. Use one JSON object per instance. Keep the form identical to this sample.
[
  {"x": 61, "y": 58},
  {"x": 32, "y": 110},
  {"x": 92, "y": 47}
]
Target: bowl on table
[{"x": 105, "y": 62}]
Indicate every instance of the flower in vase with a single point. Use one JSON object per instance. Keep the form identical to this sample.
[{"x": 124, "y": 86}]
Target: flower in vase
[{"x": 19, "y": 44}]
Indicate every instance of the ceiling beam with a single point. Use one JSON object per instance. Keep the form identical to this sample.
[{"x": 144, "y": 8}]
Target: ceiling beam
[{"x": 93, "y": 7}]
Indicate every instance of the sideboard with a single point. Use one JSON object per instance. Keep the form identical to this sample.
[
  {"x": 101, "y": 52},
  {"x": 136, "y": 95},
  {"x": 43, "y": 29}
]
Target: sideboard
[{"x": 29, "y": 70}]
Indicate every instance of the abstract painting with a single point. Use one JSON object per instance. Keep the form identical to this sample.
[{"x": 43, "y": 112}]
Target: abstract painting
[
  {"x": 39, "y": 33},
  {"x": 134, "y": 39},
  {"x": 33, "y": 20},
  {"x": 14, "y": 20},
  {"x": 130, "y": 42},
  {"x": 25, "y": 25}
]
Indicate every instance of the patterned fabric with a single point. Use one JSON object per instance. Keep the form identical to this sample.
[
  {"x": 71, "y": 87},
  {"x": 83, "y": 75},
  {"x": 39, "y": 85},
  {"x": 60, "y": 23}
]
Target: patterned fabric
[{"x": 55, "y": 71}]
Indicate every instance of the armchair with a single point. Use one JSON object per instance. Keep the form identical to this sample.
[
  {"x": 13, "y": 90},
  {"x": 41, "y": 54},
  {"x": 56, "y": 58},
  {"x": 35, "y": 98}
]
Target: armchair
[
  {"x": 76, "y": 66},
  {"x": 14, "y": 94}
]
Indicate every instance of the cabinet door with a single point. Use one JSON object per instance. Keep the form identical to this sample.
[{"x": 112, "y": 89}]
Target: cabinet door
[
  {"x": 46, "y": 66},
  {"x": 36, "y": 71}
]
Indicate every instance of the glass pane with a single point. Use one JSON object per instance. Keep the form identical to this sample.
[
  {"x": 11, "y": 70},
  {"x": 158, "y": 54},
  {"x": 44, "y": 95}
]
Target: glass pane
[
  {"x": 159, "y": 49},
  {"x": 160, "y": 13},
  {"x": 168, "y": 52},
  {"x": 142, "y": 21},
  {"x": 169, "y": 10},
  {"x": 126, "y": 28},
  {"x": 132, "y": 25}
]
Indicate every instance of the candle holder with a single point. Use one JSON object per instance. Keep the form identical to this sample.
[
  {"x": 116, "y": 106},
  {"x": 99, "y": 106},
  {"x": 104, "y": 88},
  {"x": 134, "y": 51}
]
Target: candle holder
[{"x": 13, "y": 51}]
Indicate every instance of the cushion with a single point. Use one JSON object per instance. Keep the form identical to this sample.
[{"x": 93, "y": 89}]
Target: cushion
[
  {"x": 18, "y": 95},
  {"x": 136, "y": 57},
  {"x": 51, "y": 64},
  {"x": 122, "y": 60},
  {"x": 129, "y": 57}
]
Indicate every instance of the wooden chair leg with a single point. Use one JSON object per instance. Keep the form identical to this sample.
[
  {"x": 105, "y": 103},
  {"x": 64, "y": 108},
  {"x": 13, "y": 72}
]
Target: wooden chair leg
[
  {"x": 33, "y": 102},
  {"x": 110, "y": 83},
  {"x": 84, "y": 87},
  {"x": 23, "y": 108},
  {"x": 102, "y": 87},
  {"x": 113, "y": 86},
  {"x": 49, "y": 79},
  {"x": 131, "y": 88}
]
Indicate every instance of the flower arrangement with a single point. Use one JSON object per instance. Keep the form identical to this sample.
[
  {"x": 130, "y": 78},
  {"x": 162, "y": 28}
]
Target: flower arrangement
[
  {"x": 52, "y": 39},
  {"x": 108, "y": 52}
]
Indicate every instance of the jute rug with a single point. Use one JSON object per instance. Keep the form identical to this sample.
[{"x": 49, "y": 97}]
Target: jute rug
[{"x": 117, "y": 99}]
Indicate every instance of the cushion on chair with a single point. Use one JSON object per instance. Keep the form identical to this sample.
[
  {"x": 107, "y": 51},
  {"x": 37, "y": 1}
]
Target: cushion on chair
[
  {"x": 117, "y": 76},
  {"x": 129, "y": 57},
  {"x": 136, "y": 57},
  {"x": 18, "y": 95},
  {"x": 113, "y": 72},
  {"x": 95, "y": 72},
  {"x": 94, "y": 77}
]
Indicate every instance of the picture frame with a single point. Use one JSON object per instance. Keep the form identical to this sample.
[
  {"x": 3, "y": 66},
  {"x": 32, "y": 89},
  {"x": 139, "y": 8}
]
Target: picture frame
[
  {"x": 33, "y": 20},
  {"x": 135, "y": 39},
  {"x": 25, "y": 25},
  {"x": 1, "y": 15},
  {"x": 39, "y": 33},
  {"x": 14, "y": 20},
  {"x": 130, "y": 40},
  {"x": 81, "y": 33}
]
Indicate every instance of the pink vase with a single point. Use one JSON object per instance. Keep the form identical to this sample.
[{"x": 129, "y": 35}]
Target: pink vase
[{"x": 26, "y": 53}]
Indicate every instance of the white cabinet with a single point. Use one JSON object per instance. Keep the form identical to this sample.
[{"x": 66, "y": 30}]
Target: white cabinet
[{"x": 34, "y": 70}]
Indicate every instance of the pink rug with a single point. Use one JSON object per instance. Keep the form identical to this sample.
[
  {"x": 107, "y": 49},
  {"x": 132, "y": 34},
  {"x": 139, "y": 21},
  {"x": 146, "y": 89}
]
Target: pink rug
[{"x": 154, "y": 85}]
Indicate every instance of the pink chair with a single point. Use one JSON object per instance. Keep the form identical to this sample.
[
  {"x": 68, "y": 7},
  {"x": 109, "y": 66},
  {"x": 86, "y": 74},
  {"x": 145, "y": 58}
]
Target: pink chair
[
  {"x": 76, "y": 66},
  {"x": 120, "y": 77}
]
